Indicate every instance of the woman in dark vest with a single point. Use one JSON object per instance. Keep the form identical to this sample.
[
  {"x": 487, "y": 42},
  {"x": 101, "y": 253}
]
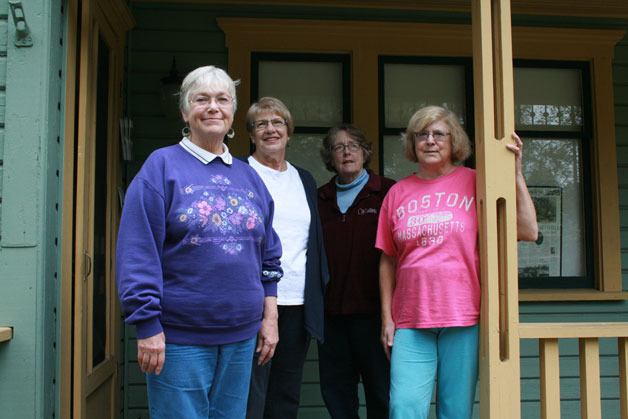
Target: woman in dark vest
[{"x": 349, "y": 206}]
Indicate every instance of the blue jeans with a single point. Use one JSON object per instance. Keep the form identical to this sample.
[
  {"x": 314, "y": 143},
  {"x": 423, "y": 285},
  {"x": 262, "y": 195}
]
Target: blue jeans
[
  {"x": 419, "y": 356},
  {"x": 201, "y": 382}
]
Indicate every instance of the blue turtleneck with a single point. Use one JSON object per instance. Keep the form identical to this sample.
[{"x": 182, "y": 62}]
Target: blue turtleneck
[{"x": 346, "y": 192}]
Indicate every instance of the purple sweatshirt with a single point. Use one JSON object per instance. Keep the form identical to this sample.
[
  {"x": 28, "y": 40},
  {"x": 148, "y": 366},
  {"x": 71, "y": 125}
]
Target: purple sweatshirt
[{"x": 196, "y": 251}]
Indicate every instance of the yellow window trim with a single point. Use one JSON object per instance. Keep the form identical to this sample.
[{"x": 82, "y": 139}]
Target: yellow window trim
[
  {"x": 570, "y": 294},
  {"x": 366, "y": 41}
]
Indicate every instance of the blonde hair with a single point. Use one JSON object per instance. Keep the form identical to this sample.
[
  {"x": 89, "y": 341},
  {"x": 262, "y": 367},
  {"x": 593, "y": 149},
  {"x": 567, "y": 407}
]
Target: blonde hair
[
  {"x": 270, "y": 105},
  {"x": 424, "y": 117}
]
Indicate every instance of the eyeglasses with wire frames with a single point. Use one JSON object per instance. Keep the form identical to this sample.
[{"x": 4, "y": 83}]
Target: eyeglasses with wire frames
[
  {"x": 204, "y": 101},
  {"x": 262, "y": 124},
  {"x": 438, "y": 136},
  {"x": 341, "y": 147}
]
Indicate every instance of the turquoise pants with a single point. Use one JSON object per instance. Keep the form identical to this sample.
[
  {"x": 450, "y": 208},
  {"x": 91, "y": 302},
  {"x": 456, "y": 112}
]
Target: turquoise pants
[{"x": 448, "y": 355}]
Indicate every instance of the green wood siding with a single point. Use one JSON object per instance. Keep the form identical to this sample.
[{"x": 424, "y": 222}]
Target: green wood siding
[
  {"x": 30, "y": 126},
  {"x": 4, "y": 6},
  {"x": 191, "y": 35}
]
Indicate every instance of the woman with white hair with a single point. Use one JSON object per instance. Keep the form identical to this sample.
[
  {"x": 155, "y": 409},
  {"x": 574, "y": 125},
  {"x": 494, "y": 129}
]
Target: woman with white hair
[{"x": 198, "y": 261}]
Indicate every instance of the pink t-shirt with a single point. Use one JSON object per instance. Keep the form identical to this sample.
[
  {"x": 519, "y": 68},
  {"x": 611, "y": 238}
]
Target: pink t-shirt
[{"x": 430, "y": 227}]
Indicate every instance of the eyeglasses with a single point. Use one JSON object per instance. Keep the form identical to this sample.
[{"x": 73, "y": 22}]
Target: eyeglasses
[
  {"x": 262, "y": 124},
  {"x": 203, "y": 101},
  {"x": 438, "y": 136},
  {"x": 340, "y": 148}
]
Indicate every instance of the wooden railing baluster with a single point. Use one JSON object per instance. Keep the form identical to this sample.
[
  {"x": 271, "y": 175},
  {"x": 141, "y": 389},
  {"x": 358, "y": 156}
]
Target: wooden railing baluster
[
  {"x": 622, "y": 346},
  {"x": 588, "y": 335},
  {"x": 590, "y": 398},
  {"x": 550, "y": 378}
]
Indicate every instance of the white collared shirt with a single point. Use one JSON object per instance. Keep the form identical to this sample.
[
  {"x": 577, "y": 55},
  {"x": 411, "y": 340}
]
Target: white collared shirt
[{"x": 203, "y": 155}]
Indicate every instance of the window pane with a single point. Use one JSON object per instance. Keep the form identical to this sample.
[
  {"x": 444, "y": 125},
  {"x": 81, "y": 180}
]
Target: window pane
[
  {"x": 311, "y": 90},
  {"x": 396, "y": 166},
  {"x": 304, "y": 151},
  {"x": 408, "y": 87},
  {"x": 548, "y": 99},
  {"x": 553, "y": 171}
]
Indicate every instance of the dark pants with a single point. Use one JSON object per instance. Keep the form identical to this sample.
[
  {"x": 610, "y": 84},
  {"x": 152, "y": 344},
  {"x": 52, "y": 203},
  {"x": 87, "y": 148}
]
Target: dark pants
[
  {"x": 352, "y": 350},
  {"x": 276, "y": 387}
]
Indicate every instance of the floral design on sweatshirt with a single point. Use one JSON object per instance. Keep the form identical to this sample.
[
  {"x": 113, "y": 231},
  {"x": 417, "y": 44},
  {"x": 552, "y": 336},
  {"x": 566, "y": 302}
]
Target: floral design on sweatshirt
[{"x": 219, "y": 213}]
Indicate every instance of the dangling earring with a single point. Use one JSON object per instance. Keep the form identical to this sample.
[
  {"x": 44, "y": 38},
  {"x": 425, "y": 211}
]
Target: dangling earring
[
  {"x": 185, "y": 131},
  {"x": 231, "y": 133}
]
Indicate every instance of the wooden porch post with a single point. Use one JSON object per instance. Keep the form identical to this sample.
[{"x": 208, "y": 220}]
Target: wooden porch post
[{"x": 494, "y": 120}]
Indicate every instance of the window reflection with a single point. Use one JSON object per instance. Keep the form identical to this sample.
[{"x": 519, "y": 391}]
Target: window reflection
[
  {"x": 556, "y": 165},
  {"x": 313, "y": 91},
  {"x": 564, "y": 117},
  {"x": 410, "y": 87},
  {"x": 303, "y": 151}
]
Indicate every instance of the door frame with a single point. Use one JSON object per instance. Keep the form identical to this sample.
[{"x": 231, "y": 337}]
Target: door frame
[{"x": 86, "y": 21}]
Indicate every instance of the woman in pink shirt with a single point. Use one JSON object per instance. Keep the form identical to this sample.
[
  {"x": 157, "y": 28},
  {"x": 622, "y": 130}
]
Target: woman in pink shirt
[{"x": 429, "y": 281}]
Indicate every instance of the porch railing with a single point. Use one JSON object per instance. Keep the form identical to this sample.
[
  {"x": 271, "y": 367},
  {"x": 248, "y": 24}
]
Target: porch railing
[
  {"x": 6, "y": 334},
  {"x": 588, "y": 335}
]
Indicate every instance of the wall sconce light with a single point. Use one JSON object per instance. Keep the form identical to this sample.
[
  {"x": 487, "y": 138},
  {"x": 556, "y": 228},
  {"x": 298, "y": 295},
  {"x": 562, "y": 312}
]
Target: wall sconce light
[{"x": 170, "y": 92}]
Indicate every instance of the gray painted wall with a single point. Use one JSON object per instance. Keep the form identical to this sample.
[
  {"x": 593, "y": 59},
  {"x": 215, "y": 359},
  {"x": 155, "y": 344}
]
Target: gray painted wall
[{"x": 191, "y": 34}]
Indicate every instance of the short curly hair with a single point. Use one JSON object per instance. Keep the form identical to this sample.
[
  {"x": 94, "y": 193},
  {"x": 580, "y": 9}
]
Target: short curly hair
[
  {"x": 271, "y": 105},
  {"x": 424, "y": 117},
  {"x": 352, "y": 131},
  {"x": 208, "y": 78}
]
